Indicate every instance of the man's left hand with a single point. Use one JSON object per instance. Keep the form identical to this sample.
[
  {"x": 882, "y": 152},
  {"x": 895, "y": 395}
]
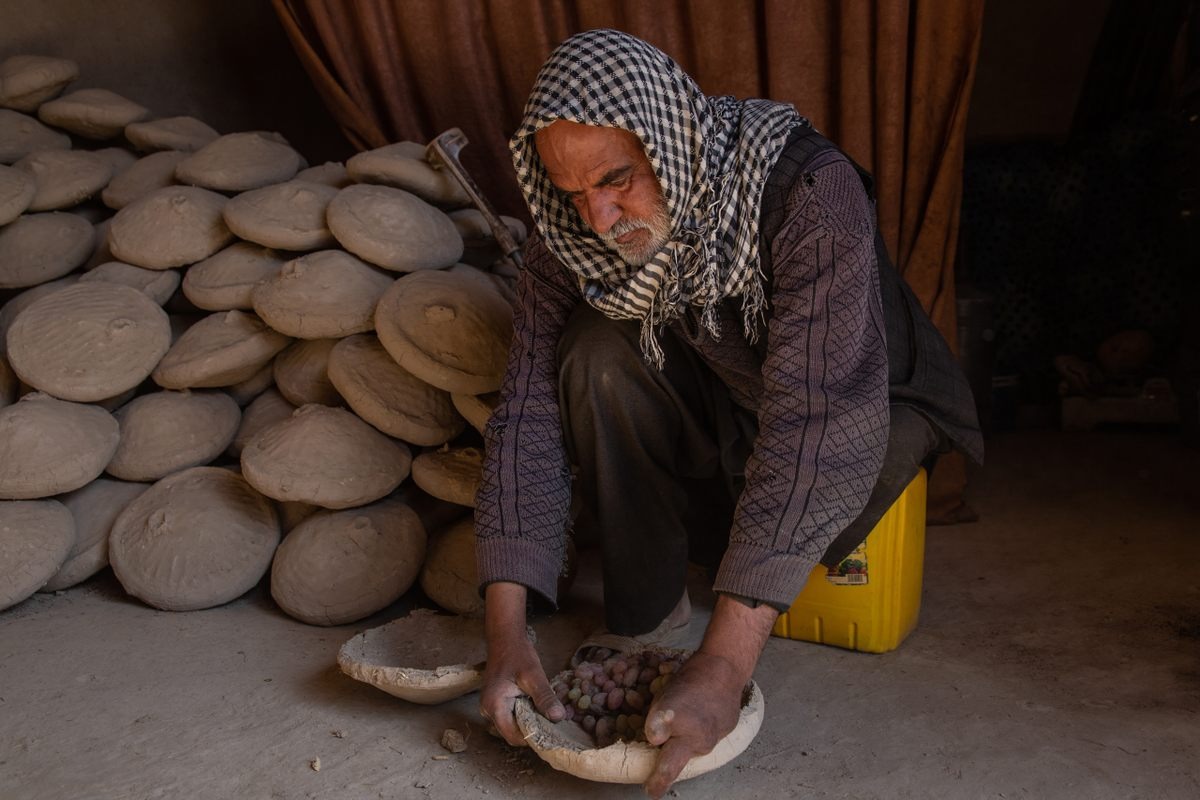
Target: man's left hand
[{"x": 697, "y": 709}]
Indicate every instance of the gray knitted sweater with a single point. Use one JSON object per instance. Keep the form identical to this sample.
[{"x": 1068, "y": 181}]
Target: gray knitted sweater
[{"x": 835, "y": 349}]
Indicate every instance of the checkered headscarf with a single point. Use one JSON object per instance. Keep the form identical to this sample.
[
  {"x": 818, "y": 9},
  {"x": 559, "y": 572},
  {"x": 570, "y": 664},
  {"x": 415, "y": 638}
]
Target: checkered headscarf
[{"x": 712, "y": 156}]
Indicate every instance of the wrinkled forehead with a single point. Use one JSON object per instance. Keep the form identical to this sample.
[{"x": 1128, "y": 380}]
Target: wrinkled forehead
[{"x": 570, "y": 150}]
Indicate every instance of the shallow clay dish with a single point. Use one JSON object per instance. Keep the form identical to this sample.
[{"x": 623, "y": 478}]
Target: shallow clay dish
[
  {"x": 403, "y": 166},
  {"x": 290, "y": 216},
  {"x": 301, "y": 373},
  {"x": 21, "y": 134},
  {"x": 51, "y": 446},
  {"x": 225, "y": 281},
  {"x": 450, "y": 473},
  {"x": 173, "y": 133},
  {"x": 337, "y": 567},
  {"x": 94, "y": 508},
  {"x": 196, "y": 539},
  {"x": 450, "y": 329},
  {"x": 220, "y": 350},
  {"x": 17, "y": 189},
  {"x": 92, "y": 113},
  {"x": 323, "y": 295},
  {"x": 425, "y": 657},
  {"x": 393, "y": 229},
  {"x": 28, "y": 81},
  {"x": 41, "y": 247},
  {"x": 35, "y": 539},
  {"x": 157, "y": 284},
  {"x": 568, "y": 748},
  {"x": 450, "y": 576},
  {"x": 155, "y": 171},
  {"x": 169, "y": 227},
  {"x": 89, "y": 342},
  {"x": 239, "y": 162},
  {"x": 65, "y": 178}
]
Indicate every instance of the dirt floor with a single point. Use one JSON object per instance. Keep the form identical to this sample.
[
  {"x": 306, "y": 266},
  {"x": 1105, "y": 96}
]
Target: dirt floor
[{"x": 1057, "y": 656}]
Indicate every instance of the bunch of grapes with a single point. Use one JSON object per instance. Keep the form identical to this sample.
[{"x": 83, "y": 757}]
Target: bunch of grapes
[{"x": 610, "y": 695}]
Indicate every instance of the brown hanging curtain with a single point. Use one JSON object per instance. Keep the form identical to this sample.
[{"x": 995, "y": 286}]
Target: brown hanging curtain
[{"x": 888, "y": 80}]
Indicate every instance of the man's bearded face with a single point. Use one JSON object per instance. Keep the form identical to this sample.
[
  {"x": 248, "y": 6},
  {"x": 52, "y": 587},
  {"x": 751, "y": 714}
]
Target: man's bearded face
[
  {"x": 604, "y": 173},
  {"x": 637, "y": 240}
]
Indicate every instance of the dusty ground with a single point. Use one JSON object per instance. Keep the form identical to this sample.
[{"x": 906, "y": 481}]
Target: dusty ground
[{"x": 1058, "y": 656}]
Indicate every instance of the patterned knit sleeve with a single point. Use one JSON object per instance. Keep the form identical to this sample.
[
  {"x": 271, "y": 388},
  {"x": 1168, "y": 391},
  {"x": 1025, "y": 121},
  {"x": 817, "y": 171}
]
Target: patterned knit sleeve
[
  {"x": 823, "y": 418},
  {"x": 524, "y": 498}
]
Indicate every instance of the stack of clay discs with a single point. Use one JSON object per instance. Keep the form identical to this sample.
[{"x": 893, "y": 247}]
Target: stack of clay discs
[{"x": 174, "y": 299}]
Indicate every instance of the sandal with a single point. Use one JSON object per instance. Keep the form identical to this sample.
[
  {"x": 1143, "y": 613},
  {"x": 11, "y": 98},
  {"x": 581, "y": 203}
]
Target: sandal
[{"x": 668, "y": 634}]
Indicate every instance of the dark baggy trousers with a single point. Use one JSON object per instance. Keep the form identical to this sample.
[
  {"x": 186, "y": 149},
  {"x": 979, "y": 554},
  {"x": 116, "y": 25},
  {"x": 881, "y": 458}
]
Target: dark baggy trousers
[{"x": 659, "y": 457}]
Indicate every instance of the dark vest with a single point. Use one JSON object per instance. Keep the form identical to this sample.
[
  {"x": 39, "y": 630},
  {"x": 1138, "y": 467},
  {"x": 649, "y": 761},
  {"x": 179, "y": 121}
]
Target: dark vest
[{"x": 922, "y": 372}]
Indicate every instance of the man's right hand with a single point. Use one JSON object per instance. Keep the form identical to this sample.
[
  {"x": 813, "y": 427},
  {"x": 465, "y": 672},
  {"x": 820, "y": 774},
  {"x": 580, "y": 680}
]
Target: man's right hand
[{"x": 513, "y": 667}]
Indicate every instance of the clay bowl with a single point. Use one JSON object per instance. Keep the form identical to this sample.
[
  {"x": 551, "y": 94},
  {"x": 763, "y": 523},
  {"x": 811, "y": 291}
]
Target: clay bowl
[
  {"x": 445, "y": 657},
  {"x": 568, "y": 748}
]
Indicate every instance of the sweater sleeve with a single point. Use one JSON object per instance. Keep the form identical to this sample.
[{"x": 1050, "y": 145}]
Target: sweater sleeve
[
  {"x": 523, "y": 503},
  {"x": 823, "y": 417}
]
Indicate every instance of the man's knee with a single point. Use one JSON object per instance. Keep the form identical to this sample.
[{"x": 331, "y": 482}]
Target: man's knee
[{"x": 597, "y": 356}]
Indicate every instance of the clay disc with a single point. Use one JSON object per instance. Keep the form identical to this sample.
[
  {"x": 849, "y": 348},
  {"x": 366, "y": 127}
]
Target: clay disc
[
  {"x": 21, "y": 135},
  {"x": 92, "y": 113},
  {"x": 393, "y": 229},
  {"x": 327, "y": 457},
  {"x": 301, "y": 373},
  {"x": 219, "y": 350},
  {"x": 425, "y": 657},
  {"x": 155, "y": 171},
  {"x": 89, "y": 341},
  {"x": 28, "y": 81},
  {"x": 94, "y": 508},
  {"x": 447, "y": 328},
  {"x": 476, "y": 409},
  {"x": 196, "y": 539},
  {"x": 41, "y": 247},
  {"x": 17, "y": 189},
  {"x": 450, "y": 576},
  {"x": 568, "y": 748},
  {"x": 263, "y": 412},
  {"x": 403, "y": 166},
  {"x": 226, "y": 280},
  {"x": 390, "y": 397},
  {"x": 331, "y": 173},
  {"x": 340, "y": 566},
  {"x": 165, "y": 432},
  {"x": 239, "y": 162},
  {"x": 169, "y": 227},
  {"x": 51, "y": 446},
  {"x": 186, "y": 134},
  {"x": 473, "y": 227},
  {"x": 290, "y": 216},
  {"x": 327, "y": 294},
  {"x": 157, "y": 284},
  {"x": 10, "y": 310},
  {"x": 451, "y": 473},
  {"x": 35, "y": 539},
  {"x": 65, "y": 178}
]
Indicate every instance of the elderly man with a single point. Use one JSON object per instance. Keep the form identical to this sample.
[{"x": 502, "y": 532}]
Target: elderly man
[{"x": 711, "y": 341}]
